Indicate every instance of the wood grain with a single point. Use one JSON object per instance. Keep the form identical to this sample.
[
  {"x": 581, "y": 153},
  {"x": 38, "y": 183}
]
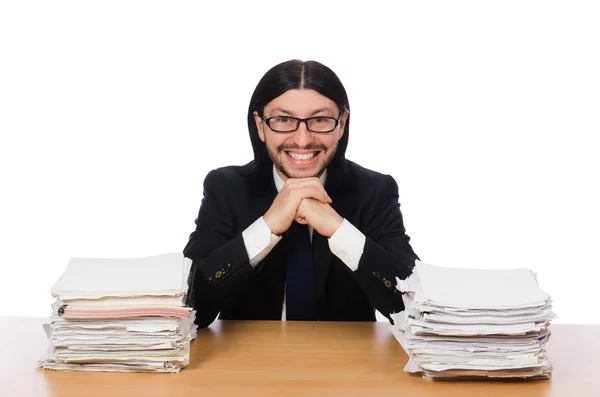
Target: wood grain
[{"x": 272, "y": 358}]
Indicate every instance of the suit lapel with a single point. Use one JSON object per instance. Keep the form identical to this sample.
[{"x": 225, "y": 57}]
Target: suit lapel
[{"x": 265, "y": 199}]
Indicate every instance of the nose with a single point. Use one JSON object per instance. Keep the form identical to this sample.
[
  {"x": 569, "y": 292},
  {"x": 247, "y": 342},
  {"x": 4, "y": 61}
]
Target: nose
[{"x": 302, "y": 135}]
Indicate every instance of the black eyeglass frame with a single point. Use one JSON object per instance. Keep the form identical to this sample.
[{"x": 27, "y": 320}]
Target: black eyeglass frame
[{"x": 299, "y": 120}]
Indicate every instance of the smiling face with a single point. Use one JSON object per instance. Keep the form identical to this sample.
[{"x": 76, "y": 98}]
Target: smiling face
[{"x": 301, "y": 153}]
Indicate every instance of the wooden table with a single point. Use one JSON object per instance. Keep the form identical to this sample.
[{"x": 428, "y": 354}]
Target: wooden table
[{"x": 266, "y": 358}]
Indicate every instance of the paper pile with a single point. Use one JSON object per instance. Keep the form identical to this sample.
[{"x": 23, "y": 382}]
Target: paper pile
[
  {"x": 471, "y": 323},
  {"x": 121, "y": 315}
]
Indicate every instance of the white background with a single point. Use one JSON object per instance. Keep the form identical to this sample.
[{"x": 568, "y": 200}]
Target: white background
[{"x": 486, "y": 113}]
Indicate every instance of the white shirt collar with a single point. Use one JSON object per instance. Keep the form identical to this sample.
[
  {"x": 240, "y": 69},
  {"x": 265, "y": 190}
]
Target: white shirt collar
[{"x": 279, "y": 182}]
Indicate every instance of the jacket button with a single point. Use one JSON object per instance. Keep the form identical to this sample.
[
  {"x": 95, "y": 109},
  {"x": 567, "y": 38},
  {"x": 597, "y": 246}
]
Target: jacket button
[
  {"x": 388, "y": 283},
  {"x": 218, "y": 274}
]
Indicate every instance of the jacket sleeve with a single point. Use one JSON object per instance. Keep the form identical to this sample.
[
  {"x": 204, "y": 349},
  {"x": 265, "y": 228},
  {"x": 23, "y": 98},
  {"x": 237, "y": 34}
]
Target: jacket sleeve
[
  {"x": 387, "y": 253},
  {"x": 220, "y": 264}
]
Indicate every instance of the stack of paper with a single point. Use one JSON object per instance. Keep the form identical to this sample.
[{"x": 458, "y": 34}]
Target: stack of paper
[
  {"x": 122, "y": 315},
  {"x": 463, "y": 323}
]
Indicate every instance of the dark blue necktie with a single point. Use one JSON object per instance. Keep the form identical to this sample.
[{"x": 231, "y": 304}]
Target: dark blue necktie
[{"x": 300, "y": 299}]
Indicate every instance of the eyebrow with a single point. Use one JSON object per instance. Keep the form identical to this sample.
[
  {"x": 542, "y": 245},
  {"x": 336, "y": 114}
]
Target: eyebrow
[{"x": 316, "y": 111}]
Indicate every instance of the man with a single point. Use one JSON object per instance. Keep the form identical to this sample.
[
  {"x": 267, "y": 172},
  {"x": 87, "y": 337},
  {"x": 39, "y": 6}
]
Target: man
[{"x": 299, "y": 233}]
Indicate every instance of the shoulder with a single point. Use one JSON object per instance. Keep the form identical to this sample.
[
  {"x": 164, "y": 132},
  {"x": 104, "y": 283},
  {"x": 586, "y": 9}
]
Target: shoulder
[
  {"x": 228, "y": 176},
  {"x": 367, "y": 181}
]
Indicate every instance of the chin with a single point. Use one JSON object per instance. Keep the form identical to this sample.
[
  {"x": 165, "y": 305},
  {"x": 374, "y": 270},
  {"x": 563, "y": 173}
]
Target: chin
[
  {"x": 306, "y": 175},
  {"x": 301, "y": 173}
]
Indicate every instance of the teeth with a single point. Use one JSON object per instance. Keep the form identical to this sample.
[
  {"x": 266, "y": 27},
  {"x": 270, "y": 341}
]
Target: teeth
[{"x": 297, "y": 156}]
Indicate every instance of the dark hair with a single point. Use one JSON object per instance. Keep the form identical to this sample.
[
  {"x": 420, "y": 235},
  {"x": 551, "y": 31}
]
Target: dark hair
[{"x": 290, "y": 75}]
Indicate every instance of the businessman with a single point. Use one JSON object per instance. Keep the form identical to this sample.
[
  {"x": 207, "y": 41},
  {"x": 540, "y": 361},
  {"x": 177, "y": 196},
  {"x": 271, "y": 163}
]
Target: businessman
[{"x": 300, "y": 232}]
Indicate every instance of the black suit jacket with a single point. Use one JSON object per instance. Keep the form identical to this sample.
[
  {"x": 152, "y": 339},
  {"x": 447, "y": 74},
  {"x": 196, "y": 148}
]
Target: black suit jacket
[{"x": 223, "y": 281}]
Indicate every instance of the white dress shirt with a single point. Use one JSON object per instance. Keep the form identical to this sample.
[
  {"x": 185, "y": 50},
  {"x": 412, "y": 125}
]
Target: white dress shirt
[{"x": 347, "y": 243}]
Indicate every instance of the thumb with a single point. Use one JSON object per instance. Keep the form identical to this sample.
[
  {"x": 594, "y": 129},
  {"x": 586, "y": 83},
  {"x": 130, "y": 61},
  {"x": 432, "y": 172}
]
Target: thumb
[{"x": 301, "y": 220}]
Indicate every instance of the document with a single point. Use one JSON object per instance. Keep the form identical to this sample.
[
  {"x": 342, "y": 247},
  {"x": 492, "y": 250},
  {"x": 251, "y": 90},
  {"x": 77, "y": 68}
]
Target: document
[
  {"x": 121, "y": 315},
  {"x": 474, "y": 323}
]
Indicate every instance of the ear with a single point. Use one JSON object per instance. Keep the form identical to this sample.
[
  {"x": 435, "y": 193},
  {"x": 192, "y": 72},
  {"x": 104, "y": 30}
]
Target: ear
[
  {"x": 260, "y": 125},
  {"x": 342, "y": 126}
]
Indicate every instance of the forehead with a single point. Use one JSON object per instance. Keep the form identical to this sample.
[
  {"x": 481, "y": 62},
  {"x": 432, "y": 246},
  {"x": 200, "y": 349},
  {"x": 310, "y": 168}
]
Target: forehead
[{"x": 302, "y": 103}]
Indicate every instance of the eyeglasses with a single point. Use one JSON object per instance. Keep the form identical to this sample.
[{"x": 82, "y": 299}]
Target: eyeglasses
[{"x": 320, "y": 124}]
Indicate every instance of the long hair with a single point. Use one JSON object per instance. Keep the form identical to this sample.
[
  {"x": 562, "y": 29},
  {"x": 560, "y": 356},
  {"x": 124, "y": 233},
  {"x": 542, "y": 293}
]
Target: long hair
[{"x": 289, "y": 75}]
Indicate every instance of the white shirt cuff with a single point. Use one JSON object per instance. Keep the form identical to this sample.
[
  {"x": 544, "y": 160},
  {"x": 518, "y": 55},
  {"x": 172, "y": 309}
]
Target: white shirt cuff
[
  {"x": 348, "y": 243},
  {"x": 259, "y": 241}
]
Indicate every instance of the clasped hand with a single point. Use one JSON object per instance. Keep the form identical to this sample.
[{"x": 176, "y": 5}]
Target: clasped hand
[{"x": 304, "y": 201}]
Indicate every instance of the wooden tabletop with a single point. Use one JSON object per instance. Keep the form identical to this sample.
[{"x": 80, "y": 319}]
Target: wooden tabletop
[{"x": 266, "y": 358}]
